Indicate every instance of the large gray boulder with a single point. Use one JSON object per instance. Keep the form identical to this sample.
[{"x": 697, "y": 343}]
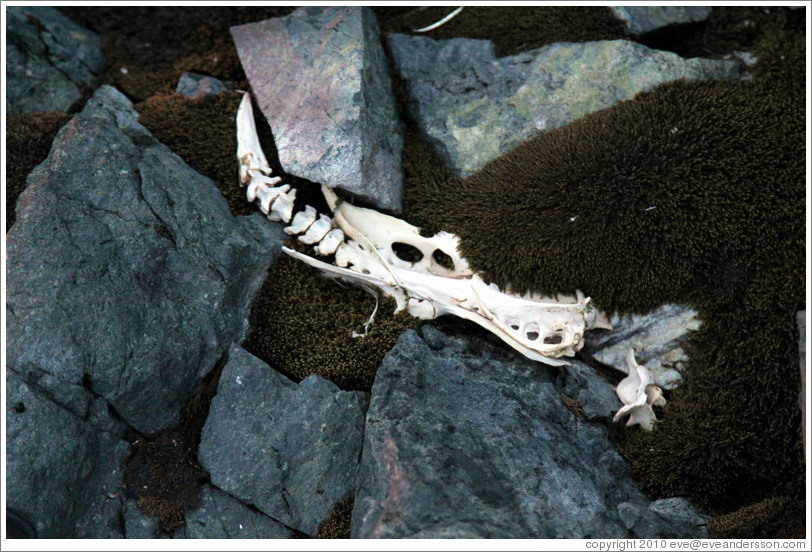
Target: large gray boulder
[
  {"x": 474, "y": 107},
  {"x": 321, "y": 78},
  {"x": 49, "y": 59},
  {"x": 290, "y": 450},
  {"x": 465, "y": 439},
  {"x": 128, "y": 277},
  {"x": 63, "y": 476}
]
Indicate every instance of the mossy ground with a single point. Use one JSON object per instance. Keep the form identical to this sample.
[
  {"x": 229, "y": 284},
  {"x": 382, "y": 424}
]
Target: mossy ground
[{"x": 726, "y": 233}]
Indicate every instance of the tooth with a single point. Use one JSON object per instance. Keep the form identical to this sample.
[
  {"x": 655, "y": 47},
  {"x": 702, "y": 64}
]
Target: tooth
[
  {"x": 301, "y": 221},
  {"x": 330, "y": 243},
  {"x": 317, "y": 230}
]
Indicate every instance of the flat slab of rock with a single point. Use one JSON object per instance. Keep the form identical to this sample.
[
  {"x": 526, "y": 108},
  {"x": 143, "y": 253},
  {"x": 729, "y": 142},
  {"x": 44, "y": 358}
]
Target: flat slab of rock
[
  {"x": 64, "y": 477},
  {"x": 656, "y": 338},
  {"x": 474, "y": 107},
  {"x": 49, "y": 58},
  {"x": 468, "y": 440},
  {"x": 321, "y": 78},
  {"x": 642, "y": 19},
  {"x": 290, "y": 450},
  {"x": 128, "y": 277}
]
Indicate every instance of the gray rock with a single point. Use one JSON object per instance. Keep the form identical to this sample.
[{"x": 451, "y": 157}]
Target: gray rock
[
  {"x": 62, "y": 475},
  {"x": 138, "y": 525},
  {"x": 656, "y": 338},
  {"x": 49, "y": 59},
  {"x": 221, "y": 516},
  {"x": 642, "y": 19},
  {"x": 468, "y": 440},
  {"x": 596, "y": 396},
  {"x": 290, "y": 450},
  {"x": 321, "y": 78},
  {"x": 128, "y": 277},
  {"x": 196, "y": 86},
  {"x": 474, "y": 107}
]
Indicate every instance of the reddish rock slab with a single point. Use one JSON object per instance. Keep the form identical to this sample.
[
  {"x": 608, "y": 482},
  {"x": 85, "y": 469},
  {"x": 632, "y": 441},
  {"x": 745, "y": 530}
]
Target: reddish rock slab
[{"x": 320, "y": 77}]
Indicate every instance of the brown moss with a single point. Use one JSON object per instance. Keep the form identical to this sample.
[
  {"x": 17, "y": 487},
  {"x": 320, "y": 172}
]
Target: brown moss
[
  {"x": 163, "y": 474},
  {"x": 512, "y": 29},
  {"x": 779, "y": 517},
  {"x": 723, "y": 166},
  {"x": 203, "y": 133},
  {"x": 157, "y": 44},
  {"x": 28, "y": 142},
  {"x": 337, "y": 524},
  {"x": 302, "y": 323}
]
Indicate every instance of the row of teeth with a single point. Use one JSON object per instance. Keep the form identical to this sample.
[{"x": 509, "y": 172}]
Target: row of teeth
[{"x": 277, "y": 204}]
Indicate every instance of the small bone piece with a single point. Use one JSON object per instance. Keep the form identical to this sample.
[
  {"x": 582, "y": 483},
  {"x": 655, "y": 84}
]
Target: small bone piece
[
  {"x": 638, "y": 393},
  {"x": 317, "y": 230},
  {"x": 302, "y": 221},
  {"x": 330, "y": 243}
]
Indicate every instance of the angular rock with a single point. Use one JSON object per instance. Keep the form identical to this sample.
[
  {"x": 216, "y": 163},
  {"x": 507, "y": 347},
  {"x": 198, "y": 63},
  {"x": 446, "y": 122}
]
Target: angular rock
[
  {"x": 656, "y": 338},
  {"x": 321, "y": 78},
  {"x": 138, "y": 525},
  {"x": 596, "y": 396},
  {"x": 221, "y": 516},
  {"x": 290, "y": 450},
  {"x": 63, "y": 476},
  {"x": 196, "y": 86},
  {"x": 49, "y": 59},
  {"x": 474, "y": 107},
  {"x": 128, "y": 277},
  {"x": 642, "y": 19},
  {"x": 465, "y": 439}
]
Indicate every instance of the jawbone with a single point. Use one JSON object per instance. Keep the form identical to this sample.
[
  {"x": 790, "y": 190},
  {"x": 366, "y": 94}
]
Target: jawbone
[{"x": 360, "y": 245}]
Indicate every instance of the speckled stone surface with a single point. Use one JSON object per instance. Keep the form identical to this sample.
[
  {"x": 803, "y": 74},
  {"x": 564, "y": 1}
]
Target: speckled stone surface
[
  {"x": 642, "y": 19},
  {"x": 321, "y": 79},
  {"x": 474, "y": 107}
]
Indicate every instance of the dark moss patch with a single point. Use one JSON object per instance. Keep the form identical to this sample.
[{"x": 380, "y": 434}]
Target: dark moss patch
[
  {"x": 163, "y": 475},
  {"x": 779, "y": 517},
  {"x": 337, "y": 524},
  {"x": 155, "y": 45},
  {"x": 203, "y": 132},
  {"x": 512, "y": 29},
  {"x": 302, "y": 323},
  {"x": 28, "y": 142},
  {"x": 695, "y": 193}
]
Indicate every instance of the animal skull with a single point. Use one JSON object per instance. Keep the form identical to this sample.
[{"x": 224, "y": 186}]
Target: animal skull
[{"x": 438, "y": 281}]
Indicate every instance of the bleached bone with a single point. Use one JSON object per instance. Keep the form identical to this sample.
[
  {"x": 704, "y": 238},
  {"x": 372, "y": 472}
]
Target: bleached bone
[
  {"x": 638, "y": 393},
  {"x": 437, "y": 283},
  {"x": 276, "y": 202}
]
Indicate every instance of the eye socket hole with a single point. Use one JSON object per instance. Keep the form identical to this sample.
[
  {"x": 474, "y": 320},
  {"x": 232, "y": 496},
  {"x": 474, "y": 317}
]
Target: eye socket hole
[
  {"x": 514, "y": 327},
  {"x": 553, "y": 339},
  {"x": 532, "y": 336},
  {"x": 443, "y": 259},
  {"x": 407, "y": 252}
]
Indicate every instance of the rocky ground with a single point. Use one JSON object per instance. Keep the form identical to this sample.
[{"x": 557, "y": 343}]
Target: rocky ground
[{"x": 171, "y": 375}]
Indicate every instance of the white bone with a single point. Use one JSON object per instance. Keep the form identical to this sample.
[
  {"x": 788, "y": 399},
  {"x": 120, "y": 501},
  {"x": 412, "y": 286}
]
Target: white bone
[
  {"x": 317, "y": 230},
  {"x": 543, "y": 329},
  {"x": 330, "y": 242},
  {"x": 282, "y": 208},
  {"x": 638, "y": 393},
  {"x": 267, "y": 196},
  {"x": 302, "y": 221}
]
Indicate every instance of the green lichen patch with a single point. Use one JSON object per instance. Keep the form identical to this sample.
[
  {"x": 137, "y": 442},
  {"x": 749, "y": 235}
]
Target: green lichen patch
[
  {"x": 302, "y": 323},
  {"x": 28, "y": 142}
]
